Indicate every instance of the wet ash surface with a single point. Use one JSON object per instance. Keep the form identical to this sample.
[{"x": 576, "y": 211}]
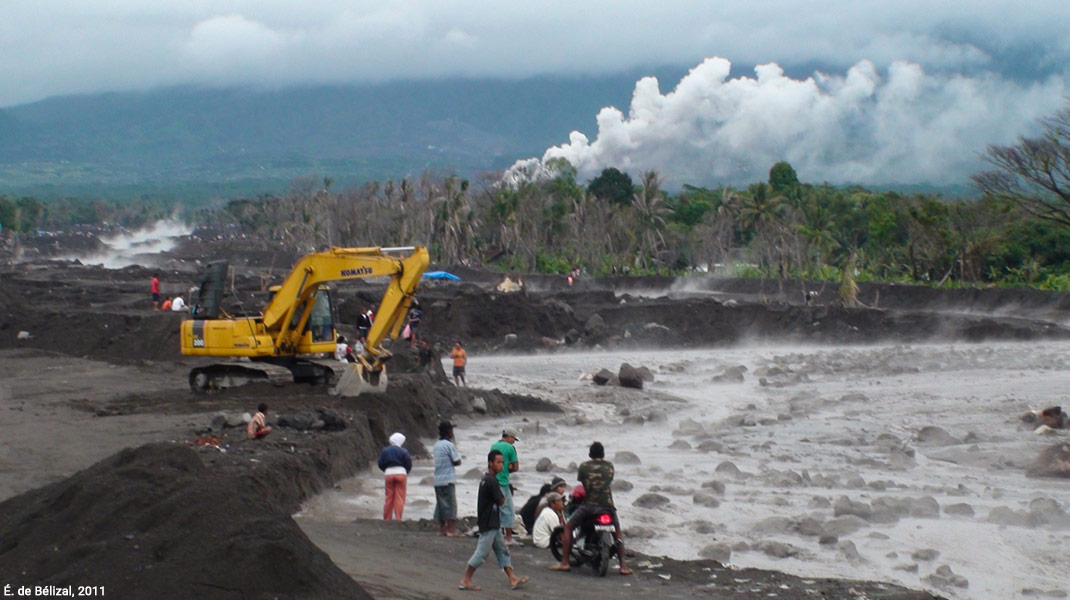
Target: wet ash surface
[{"x": 438, "y": 564}]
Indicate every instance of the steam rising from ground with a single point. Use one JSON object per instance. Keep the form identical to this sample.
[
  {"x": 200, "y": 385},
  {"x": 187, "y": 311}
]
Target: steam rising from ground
[
  {"x": 902, "y": 126},
  {"x": 136, "y": 247}
]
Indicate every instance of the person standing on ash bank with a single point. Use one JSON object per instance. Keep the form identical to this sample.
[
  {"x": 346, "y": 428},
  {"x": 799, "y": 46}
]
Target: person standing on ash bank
[{"x": 507, "y": 447}]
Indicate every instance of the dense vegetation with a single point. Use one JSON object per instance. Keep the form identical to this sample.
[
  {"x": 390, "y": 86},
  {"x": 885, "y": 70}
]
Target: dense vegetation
[
  {"x": 1016, "y": 233},
  {"x": 779, "y": 228}
]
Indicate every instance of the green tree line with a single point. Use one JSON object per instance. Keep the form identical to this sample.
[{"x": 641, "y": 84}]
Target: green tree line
[{"x": 778, "y": 228}]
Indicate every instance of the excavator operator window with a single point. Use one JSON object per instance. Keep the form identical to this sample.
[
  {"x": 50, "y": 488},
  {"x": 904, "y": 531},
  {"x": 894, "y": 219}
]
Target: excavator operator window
[
  {"x": 320, "y": 322},
  {"x": 212, "y": 289}
]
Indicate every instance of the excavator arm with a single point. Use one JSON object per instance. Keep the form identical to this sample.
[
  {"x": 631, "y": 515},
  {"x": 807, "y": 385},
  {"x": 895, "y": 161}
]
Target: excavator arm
[
  {"x": 368, "y": 372},
  {"x": 340, "y": 264}
]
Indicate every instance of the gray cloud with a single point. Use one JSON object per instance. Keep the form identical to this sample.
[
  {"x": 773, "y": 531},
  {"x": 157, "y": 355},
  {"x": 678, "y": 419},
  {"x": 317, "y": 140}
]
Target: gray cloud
[
  {"x": 50, "y": 47},
  {"x": 865, "y": 126},
  {"x": 914, "y": 88}
]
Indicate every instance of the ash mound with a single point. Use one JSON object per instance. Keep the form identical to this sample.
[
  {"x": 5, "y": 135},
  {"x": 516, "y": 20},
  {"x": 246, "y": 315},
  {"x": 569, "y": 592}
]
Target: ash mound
[{"x": 156, "y": 522}]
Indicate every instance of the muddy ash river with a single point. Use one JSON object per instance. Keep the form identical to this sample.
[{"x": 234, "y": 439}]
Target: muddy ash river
[{"x": 893, "y": 463}]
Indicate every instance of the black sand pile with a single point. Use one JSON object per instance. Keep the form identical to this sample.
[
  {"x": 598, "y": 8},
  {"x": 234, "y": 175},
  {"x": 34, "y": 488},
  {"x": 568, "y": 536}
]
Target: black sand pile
[{"x": 156, "y": 522}]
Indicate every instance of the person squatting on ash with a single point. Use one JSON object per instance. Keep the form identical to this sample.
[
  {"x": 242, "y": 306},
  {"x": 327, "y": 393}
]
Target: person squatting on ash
[{"x": 258, "y": 427}]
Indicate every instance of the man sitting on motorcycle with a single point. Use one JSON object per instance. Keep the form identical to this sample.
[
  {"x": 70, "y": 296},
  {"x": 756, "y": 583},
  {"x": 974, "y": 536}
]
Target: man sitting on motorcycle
[{"x": 596, "y": 475}]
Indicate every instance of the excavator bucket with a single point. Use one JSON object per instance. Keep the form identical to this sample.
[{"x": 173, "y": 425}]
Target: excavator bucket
[{"x": 358, "y": 380}]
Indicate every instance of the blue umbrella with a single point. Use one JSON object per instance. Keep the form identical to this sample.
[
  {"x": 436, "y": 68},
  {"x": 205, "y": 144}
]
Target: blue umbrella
[{"x": 441, "y": 275}]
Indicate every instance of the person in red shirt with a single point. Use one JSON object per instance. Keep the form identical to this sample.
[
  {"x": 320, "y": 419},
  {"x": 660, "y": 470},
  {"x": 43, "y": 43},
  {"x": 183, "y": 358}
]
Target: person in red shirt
[{"x": 155, "y": 292}]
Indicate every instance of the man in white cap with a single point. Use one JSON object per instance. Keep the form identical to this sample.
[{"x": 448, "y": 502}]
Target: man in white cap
[
  {"x": 551, "y": 517},
  {"x": 512, "y": 465}
]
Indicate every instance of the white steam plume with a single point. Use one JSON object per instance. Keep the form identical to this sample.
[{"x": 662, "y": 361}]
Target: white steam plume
[
  {"x": 905, "y": 126},
  {"x": 137, "y": 247}
]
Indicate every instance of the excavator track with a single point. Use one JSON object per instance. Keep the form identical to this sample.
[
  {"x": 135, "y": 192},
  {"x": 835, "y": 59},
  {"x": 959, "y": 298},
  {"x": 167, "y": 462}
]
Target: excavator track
[
  {"x": 330, "y": 370},
  {"x": 221, "y": 376}
]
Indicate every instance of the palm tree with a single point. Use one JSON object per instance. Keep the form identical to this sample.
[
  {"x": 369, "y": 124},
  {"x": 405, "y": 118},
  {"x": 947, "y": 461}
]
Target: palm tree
[
  {"x": 817, "y": 226},
  {"x": 650, "y": 210},
  {"x": 848, "y": 285},
  {"x": 458, "y": 220},
  {"x": 760, "y": 207}
]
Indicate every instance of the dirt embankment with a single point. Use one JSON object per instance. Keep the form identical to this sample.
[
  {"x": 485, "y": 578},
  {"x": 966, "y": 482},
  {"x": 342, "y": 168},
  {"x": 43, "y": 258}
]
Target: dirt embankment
[
  {"x": 1020, "y": 302},
  {"x": 170, "y": 520},
  {"x": 584, "y": 319},
  {"x": 102, "y": 313},
  {"x": 156, "y": 521}
]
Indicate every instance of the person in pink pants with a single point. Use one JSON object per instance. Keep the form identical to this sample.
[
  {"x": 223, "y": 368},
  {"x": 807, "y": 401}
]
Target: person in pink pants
[{"x": 395, "y": 463}]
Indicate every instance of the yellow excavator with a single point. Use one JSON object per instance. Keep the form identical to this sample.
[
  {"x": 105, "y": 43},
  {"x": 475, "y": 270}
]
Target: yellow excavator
[{"x": 284, "y": 342}]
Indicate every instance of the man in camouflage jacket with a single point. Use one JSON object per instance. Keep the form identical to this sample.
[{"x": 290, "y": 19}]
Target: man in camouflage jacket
[{"x": 596, "y": 475}]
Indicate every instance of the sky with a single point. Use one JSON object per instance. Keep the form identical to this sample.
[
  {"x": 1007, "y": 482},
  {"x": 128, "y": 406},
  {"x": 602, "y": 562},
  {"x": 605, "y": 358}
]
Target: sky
[{"x": 911, "y": 82}]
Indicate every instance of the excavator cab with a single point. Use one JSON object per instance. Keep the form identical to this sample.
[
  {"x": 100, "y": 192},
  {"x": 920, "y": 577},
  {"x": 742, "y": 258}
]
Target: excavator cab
[
  {"x": 319, "y": 328},
  {"x": 321, "y": 321}
]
